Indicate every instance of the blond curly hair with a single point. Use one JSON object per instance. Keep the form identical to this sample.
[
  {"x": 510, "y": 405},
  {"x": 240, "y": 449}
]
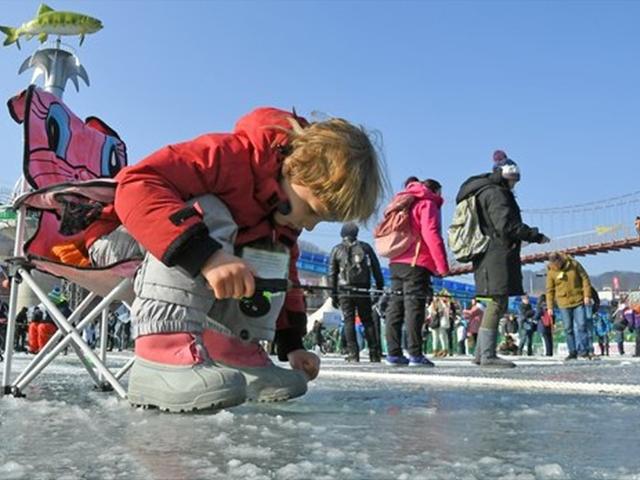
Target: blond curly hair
[{"x": 339, "y": 163}]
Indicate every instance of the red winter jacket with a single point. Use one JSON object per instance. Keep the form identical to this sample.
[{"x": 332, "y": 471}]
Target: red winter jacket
[
  {"x": 242, "y": 169},
  {"x": 425, "y": 221}
]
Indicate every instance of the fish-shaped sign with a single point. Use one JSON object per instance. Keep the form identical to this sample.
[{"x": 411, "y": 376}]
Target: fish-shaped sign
[{"x": 52, "y": 22}]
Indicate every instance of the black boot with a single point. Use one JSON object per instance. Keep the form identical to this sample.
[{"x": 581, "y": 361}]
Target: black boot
[
  {"x": 353, "y": 354},
  {"x": 488, "y": 339},
  {"x": 375, "y": 356},
  {"x": 372, "y": 343}
]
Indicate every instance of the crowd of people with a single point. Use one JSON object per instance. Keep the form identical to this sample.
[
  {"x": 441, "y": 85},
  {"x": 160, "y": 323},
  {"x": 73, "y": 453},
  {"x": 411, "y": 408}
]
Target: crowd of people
[
  {"x": 489, "y": 236},
  {"x": 451, "y": 329},
  {"x": 35, "y": 326},
  {"x": 410, "y": 236}
]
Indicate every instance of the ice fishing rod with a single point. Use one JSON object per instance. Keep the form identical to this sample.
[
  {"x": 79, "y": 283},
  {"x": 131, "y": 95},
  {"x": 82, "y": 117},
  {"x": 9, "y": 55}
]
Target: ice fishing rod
[{"x": 260, "y": 303}]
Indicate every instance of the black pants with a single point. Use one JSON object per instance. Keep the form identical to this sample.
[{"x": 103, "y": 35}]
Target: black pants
[
  {"x": 349, "y": 307},
  {"x": 376, "y": 326},
  {"x": 603, "y": 343},
  {"x": 547, "y": 338},
  {"x": 21, "y": 339},
  {"x": 411, "y": 288}
]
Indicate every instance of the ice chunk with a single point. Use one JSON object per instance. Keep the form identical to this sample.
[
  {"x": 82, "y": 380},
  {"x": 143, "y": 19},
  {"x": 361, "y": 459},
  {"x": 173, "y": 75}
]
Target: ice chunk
[
  {"x": 551, "y": 471},
  {"x": 293, "y": 471},
  {"x": 14, "y": 470},
  {"x": 246, "y": 451}
]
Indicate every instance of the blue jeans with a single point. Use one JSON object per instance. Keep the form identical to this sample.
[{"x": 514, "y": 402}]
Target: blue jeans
[
  {"x": 588, "y": 320},
  {"x": 575, "y": 327}
]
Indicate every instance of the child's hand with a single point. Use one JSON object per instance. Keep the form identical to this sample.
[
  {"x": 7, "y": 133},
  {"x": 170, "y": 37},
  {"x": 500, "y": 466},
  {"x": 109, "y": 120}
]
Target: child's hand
[
  {"x": 229, "y": 276},
  {"x": 308, "y": 362}
]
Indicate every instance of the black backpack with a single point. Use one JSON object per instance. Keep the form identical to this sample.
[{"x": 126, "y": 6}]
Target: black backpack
[{"x": 354, "y": 265}]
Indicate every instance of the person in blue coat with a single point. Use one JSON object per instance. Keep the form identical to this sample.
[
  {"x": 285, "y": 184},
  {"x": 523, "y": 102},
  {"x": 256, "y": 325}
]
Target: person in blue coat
[{"x": 602, "y": 327}]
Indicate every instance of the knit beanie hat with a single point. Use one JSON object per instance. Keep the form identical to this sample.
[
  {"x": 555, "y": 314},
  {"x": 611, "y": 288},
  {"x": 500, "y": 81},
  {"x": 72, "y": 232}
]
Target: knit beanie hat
[{"x": 349, "y": 230}]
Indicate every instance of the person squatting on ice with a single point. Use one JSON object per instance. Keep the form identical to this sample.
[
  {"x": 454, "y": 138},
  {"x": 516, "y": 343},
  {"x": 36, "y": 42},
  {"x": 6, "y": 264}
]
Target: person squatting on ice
[
  {"x": 351, "y": 264},
  {"x": 213, "y": 213},
  {"x": 497, "y": 270},
  {"x": 411, "y": 272}
]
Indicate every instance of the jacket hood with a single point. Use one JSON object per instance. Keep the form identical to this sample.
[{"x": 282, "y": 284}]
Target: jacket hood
[
  {"x": 267, "y": 127},
  {"x": 474, "y": 184},
  {"x": 418, "y": 190},
  {"x": 266, "y": 131}
]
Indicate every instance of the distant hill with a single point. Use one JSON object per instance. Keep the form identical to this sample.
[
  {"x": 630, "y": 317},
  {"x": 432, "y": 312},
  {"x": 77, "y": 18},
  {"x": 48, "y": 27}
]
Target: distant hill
[{"x": 628, "y": 280}]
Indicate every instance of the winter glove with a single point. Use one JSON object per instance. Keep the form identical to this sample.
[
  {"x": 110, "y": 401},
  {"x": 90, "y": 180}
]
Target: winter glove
[
  {"x": 290, "y": 339},
  {"x": 542, "y": 238}
]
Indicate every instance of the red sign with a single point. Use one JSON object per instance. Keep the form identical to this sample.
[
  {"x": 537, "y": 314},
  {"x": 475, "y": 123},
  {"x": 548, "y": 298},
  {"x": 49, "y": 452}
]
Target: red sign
[{"x": 616, "y": 283}]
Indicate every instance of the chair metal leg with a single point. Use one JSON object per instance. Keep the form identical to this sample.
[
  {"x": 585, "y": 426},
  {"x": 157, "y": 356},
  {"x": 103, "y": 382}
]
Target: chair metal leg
[
  {"x": 72, "y": 333},
  {"x": 11, "y": 332},
  {"x": 126, "y": 368},
  {"x": 104, "y": 332},
  {"x": 54, "y": 339},
  {"x": 13, "y": 300}
]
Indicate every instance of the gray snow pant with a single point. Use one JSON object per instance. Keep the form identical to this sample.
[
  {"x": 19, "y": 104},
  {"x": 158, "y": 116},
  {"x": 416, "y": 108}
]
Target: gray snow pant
[
  {"x": 169, "y": 300},
  {"x": 115, "y": 247}
]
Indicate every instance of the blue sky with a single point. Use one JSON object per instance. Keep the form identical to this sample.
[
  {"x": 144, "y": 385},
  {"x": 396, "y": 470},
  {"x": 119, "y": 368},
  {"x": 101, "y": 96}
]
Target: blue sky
[{"x": 555, "y": 84}]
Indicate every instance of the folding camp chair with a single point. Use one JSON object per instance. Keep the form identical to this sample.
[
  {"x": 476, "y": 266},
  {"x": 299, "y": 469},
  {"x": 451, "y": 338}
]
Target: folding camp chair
[{"x": 67, "y": 163}]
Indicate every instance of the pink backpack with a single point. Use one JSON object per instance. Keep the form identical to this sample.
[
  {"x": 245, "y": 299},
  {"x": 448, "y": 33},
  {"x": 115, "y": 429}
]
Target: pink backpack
[{"x": 393, "y": 236}]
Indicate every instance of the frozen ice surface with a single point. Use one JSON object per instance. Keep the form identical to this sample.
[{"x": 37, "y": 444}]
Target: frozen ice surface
[{"x": 355, "y": 428}]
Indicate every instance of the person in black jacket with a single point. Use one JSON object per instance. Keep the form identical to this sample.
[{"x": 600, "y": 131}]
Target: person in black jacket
[
  {"x": 21, "y": 331},
  {"x": 318, "y": 338},
  {"x": 497, "y": 270},
  {"x": 351, "y": 265},
  {"x": 527, "y": 326},
  {"x": 379, "y": 313},
  {"x": 590, "y": 314}
]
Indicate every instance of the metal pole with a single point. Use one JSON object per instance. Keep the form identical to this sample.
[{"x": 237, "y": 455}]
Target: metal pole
[
  {"x": 13, "y": 301},
  {"x": 126, "y": 368},
  {"x": 104, "y": 332}
]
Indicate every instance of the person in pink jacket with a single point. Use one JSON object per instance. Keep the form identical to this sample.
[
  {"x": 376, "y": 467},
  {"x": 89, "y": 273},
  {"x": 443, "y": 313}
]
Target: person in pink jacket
[
  {"x": 474, "y": 315},
  {"x": 411, "y": 273}
]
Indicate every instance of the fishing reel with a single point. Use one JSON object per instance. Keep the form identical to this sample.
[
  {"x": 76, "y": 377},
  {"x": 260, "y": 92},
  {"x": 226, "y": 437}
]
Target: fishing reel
[{"x": 260, "y": 303}]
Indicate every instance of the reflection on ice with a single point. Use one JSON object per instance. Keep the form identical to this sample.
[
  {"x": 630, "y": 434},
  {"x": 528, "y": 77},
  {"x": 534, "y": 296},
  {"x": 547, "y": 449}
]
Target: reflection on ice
[{"x": 343, "y": 429}]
